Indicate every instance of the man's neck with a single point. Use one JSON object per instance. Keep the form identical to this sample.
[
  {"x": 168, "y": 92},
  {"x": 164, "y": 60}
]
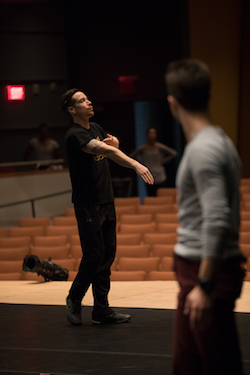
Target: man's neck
[
  {"x": 193, "y": 123},
  {"x": 82, "y": 122}
]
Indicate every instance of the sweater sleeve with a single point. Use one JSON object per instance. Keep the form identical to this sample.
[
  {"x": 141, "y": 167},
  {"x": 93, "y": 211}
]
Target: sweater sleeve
[{"x": 209, "y": 177}]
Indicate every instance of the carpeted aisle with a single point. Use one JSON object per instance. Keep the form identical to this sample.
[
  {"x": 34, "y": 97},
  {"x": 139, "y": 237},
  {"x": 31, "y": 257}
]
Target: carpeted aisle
[{"x": 37, "y": 339}]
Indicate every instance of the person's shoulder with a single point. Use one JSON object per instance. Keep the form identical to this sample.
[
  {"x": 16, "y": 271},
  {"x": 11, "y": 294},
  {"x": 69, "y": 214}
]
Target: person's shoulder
[
  {"x": 161, "y": 145},
  {"x": 208, "y": 147},
  {"x": 74, "y": 129},
  {"x": 94, "y": 125}
]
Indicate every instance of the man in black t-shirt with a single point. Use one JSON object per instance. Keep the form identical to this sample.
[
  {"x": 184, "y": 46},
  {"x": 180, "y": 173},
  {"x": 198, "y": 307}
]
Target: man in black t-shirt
[{"x": 88, "y": 146}]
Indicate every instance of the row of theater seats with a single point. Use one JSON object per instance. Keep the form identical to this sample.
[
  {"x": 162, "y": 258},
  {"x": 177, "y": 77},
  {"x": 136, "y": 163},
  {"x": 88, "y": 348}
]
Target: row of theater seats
[
  {"x": 146, "y": 235},
  {"x": 134, "y": 261}
]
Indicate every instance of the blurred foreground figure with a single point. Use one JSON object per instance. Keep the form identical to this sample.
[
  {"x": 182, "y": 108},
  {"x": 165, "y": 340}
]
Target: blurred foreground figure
[{"x": 208, "y": 262}]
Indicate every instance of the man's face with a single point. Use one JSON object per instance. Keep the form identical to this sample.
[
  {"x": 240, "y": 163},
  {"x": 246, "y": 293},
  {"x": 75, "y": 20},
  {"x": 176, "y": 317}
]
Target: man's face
[{"x": 83, "y": 106}]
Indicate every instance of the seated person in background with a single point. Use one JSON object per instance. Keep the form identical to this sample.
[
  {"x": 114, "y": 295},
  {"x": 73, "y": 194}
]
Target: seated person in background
[
  {"x": 43, "y": 147},
  {"x": 154, "y": 155}
]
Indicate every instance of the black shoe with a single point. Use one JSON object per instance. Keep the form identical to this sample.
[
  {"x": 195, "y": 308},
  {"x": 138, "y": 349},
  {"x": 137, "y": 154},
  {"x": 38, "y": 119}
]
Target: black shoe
[
  {"x": 113, "y": 318},
  {"x": 73, "y": 314}
]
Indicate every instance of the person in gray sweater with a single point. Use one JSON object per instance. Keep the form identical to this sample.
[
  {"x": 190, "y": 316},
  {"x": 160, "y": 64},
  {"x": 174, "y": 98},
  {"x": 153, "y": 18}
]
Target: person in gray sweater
[
  {"x": 208, "y": 261},
  {"x": 154, "y": 155}
]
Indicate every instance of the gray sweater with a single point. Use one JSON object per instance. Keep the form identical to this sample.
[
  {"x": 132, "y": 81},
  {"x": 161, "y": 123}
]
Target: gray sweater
[
  {"x": 155, "y": 159},
  {"x": 208, "y": 192}
]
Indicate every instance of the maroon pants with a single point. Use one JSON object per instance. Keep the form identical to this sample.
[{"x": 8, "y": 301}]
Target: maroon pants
[{"x": 214, "y": 350}]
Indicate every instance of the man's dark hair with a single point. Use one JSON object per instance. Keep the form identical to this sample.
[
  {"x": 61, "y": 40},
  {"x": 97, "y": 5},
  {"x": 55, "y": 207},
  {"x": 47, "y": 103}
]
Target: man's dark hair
[
  {"x": 189, "y": 82},
  {"x": 66, "y": 99}
]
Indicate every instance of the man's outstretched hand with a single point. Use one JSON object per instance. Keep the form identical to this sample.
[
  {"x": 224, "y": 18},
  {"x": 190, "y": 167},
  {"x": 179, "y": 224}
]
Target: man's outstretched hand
[{"x": 144, "y": 173}]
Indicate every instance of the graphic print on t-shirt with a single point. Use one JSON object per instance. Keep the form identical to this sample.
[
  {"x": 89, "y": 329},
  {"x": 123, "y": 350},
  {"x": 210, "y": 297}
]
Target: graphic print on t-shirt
[{"x": 98, "y": 157}]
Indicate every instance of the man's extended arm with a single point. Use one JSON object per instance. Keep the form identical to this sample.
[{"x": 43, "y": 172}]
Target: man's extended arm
[{"x": 99, "y": 147}]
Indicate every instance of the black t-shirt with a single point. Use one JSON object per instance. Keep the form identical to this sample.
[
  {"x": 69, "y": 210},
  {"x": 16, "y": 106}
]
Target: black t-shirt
[{"x": 90, "y": 174}]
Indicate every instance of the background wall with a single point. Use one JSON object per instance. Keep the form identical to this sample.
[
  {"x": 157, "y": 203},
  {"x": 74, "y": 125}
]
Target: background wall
[{"x": 215, "y": 37}]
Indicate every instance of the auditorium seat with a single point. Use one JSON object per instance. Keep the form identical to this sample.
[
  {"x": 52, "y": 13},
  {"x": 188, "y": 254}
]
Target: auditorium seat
[
  {"x": 27, "y": 231},
  {"x": 114, "y": 265},
  {"x": 33, "y": 221},
  {"x": 139, "y": 264},
  {"x": 245, "y": 215},
  {"x": 129, "y": 239},
  {"x": 10, "y": 266},
  {"x": 245, "y": 226},
  {"x": 132, "y": 251},
  {"x": 162, "y": 250},
  {"x": 15, "y": 253},
  {"x": 120, "y": 210},
  {"x": 245, "y": 181},
  {"x": 127, "y": 201},
  {"x": 64, "y": 220},
  {"x": 136, "y": 219},
  {"x": 61, "y": 230},
  {"x": 158, "y": 200},
  {"x": 76, "y": 251},
  {"x": 53, "y": 252},
  {"x": 244, "y": 238},
  {"x": 162, "y": 275},
  {"x": 156, "y": 209},
  {"x": 159, "y": 238},
  {"x": 245, "y": 189},
  {"x": 74, "y": 239},
  {"x": 70, "y": 211},
  {"x": 128, "y": 276},
  {"x": 50, "y": 240},
  {"x": 72, "y": 275},
  {"x": 245, "y": 206},
  {"x": 247, "y": 276},
  {"x": 3, "y": 232},
  {"x": 137, "y": 228},
  {"x": 77, "y": 263},
  {"x": 245, "y": 248},
  {"x": 11, "y": 276},
  {"x": 167, "y": 264},
  {"x": 167, "y": 227},
  {"x": 15, "y": 241},
  {"x": 163, "y": 192},
  {"x": 166, "y": 218}
]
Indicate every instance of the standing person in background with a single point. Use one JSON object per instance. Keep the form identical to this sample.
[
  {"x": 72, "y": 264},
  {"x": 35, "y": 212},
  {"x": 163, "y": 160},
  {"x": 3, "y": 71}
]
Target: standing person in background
[
  {"x": 154, "y": 155},
  {"x": 88, "y": 146},
  {"x": 43, "y": 147},
  {"x": 208, "y": 261}
]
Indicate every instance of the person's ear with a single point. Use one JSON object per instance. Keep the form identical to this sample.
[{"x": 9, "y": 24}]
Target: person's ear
[
  {"x": 71, "y": 110},
  {"x": 173, "y": 104}
]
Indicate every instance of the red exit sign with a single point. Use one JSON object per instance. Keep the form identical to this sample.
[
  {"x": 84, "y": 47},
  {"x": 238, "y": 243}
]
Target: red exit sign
[{"x": 15, "y": 92}]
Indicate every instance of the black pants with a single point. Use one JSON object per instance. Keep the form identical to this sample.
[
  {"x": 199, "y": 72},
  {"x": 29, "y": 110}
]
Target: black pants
[{"x": 97, "y": 230}]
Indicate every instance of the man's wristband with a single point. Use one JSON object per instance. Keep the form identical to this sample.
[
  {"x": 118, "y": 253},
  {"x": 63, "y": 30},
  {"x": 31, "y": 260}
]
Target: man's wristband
[{"x": 207, "y": 285}]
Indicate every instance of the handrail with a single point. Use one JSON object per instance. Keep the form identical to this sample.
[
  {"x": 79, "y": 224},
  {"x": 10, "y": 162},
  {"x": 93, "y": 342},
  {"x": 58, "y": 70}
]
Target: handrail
[
  {"x": 35, "y": 199},
  {"x": 37, "y": 163}
]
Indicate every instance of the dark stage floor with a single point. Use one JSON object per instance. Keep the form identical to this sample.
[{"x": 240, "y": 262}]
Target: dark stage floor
[{"x": 37, "y": 339}]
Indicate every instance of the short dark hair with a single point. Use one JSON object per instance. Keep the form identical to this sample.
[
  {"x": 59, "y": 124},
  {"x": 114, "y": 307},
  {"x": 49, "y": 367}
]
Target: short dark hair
[
  {"x": 66, "y": 99},
  {"x": 189, "y": 82}
]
